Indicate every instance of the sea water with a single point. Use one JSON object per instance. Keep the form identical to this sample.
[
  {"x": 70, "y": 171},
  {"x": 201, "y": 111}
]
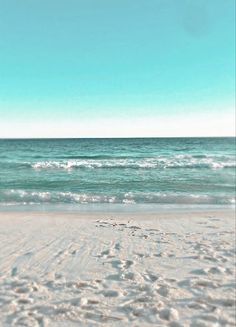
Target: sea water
[{"x": 164, "y": 171}]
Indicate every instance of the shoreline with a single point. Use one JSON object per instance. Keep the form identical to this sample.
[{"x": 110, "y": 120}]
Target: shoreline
[
  {"x": 181, "y": 213},
  {"x": 117, "y": 208}
]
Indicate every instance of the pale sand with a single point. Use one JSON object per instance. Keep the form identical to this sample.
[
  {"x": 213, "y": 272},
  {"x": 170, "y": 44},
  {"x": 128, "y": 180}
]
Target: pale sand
[{"x": 59, "y": 269}]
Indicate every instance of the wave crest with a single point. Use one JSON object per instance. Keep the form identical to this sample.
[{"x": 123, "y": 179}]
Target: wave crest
[{"x": 194, "y": 162}]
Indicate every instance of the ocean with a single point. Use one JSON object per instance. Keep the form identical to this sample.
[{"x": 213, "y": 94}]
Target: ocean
[{"x": 170, "y": 171}]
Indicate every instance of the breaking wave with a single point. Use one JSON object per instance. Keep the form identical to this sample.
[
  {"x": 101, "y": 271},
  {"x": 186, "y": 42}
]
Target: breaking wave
[
  {"x": 36, "y": 197},
  {"x": 194, "y": 162}
]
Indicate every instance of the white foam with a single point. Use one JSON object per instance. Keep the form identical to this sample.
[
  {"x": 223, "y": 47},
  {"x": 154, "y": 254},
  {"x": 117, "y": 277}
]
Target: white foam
[
  {"x": 178, "y": 161},
  {"x": 37, "y": 197}
]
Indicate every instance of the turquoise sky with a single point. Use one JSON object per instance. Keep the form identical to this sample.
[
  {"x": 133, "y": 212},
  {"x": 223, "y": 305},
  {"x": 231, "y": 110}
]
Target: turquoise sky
[{"x": 69, "y": 66}]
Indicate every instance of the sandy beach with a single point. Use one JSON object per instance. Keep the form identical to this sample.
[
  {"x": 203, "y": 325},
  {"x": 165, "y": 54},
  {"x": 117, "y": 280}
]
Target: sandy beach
[{"x": 122, "y": 269}]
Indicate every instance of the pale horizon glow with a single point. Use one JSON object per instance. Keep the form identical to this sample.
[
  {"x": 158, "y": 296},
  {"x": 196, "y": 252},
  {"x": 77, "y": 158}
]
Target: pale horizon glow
[{"x": 192, "y": 126}]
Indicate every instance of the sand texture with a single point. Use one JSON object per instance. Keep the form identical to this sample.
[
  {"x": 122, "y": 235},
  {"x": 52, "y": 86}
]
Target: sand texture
[{"x": 117, "y": 270}]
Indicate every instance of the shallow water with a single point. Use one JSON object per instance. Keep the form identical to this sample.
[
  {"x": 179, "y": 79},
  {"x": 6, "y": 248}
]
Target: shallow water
[{"x": 188, "y": 171}]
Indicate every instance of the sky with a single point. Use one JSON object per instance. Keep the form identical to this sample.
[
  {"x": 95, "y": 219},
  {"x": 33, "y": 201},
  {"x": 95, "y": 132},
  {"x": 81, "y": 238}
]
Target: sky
[{"x": 120, "y": 68}]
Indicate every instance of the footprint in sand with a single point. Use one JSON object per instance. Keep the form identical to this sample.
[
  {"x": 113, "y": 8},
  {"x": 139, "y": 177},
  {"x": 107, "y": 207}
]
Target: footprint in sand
[
  {"x": 169, "y": 314},
  {"x": 122, "y": 264},
  {"x": 14, "y": 271},
  {"x": 117, "y": 246},
  {"x": 106, "y": 254},
  {"x": 150, "y": 277},
  {"x": 110, "y": 293},
  {"x": 115, "y": 277},
  {"x": 164, "y": 290}
]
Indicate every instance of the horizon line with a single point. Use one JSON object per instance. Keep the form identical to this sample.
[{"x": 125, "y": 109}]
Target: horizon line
[{"x": 116, "y": 137}]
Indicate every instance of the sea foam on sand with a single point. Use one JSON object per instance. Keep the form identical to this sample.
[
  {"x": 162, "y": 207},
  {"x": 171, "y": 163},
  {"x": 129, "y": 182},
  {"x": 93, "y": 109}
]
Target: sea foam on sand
[{"x": 166, "y": 269}]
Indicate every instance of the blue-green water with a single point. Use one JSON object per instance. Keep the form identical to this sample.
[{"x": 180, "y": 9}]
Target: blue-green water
[{"x": 151, "y": 170}]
